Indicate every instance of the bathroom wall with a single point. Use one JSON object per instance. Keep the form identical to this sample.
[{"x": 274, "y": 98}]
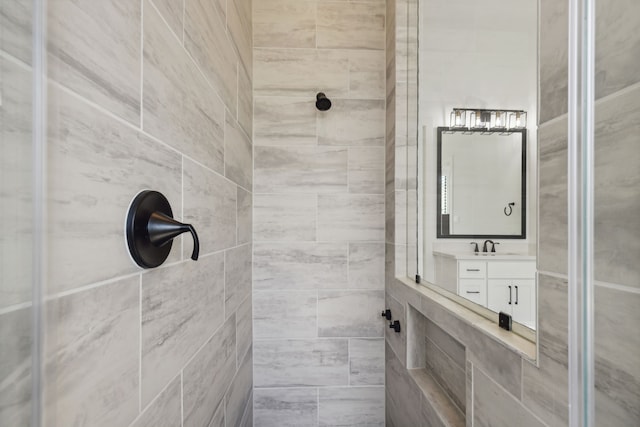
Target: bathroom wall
[
  {"x": 16, "y": 213},
  {"x": 319, "y": 213},
  {"x": 149, "y": 95},
  {"x": 502, "y": 385}
]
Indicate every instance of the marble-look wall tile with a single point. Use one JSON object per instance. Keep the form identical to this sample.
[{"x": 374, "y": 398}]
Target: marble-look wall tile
[
  {"x": 96, "y": 165},
  {"x": 94, "y": 50},
  {"x": 245, "y": 100},
  {"x": 544, "y": 390},
  {"x": 403, "y": 398},
  {"x": 300, "y": 169},
  {"x": 284, "y": 217},
  {"x": 206, "y": 41},
  {"x": 91, "y": 353},
  {"x": 285, "y": 314},
  {"x": 16, "y": 173},
  {"x": 247, "y": 417},
  {"x": 285, "y": 407},
  {"x": 361, "y": 406},
  {"x": 287, "y": 72},
  {"x": 353, "y": 122},
  {"x": 172, "y": 12},
  {"x": 16, "y": 20},
  {"x": 451, "y": 376},
  {"x": 218, "y": 418},
  {"x": 350, "y": 313},
  {"x": 208, "y": 375},
  {"x": 294, "y": 363},
  {"x": 284, "y": 23},
  {"x": 367, "y": 74},
  {"x": 239, "y": 26},
  {"x": 366, "y": 170},
  {"x": 446, "y": 343},
  {"x": 553, "y": 47},
  {"x": 617, "y": 45},
  {"x": 366, "y": 361},
  {"x": 484, "y": 352},
  {"x": 351, "y": 217},
  {"x": 244, "y": 328},
  {"x": 239, "y": 392},
  {"x": 179, "y": 107},
  {"x": 366, "y": 265},
  {"x": 15, "y": 367},
  {"x": 244, "y": 225},
  {"x": 617, "y": 371},
  {"x": 552, "y": 195},
  {"x": 182, "y": 306},
  {"x": 397, "y": 342},
  {"x": 492, "y": 406},
  {"x": 237, "y": 277},
  {"x": 351, "y": 25},
  {"x": 553, "y": 335},
  {"x": 238, "y": 154},
  {"x": 284, "y": 121},
  {"x": 617, "y": 188},
  {"x": 299, "y": 265},
  {"x": 210, "y": 205},
  {"x": 165, "y": 410}
]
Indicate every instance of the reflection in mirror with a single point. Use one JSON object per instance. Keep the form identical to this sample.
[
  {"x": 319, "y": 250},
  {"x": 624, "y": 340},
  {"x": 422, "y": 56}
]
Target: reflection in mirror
[
  {"x": 474, "y": 57},
  {"x": 481, "y": 181}
]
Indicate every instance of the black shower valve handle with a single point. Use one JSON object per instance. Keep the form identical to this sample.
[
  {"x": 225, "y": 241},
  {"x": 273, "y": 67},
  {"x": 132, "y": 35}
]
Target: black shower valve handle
[
  {"x": 386, "y": 314},
  {"x": 162, "y": 229}
]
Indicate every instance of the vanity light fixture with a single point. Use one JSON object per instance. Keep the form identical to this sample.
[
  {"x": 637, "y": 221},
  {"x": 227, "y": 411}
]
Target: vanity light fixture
[{"x": 489, "y": 120}]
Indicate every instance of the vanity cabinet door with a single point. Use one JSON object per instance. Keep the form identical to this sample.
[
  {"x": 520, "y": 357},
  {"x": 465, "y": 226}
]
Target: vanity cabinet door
[
  {"x": 524, "y": 301},
  {"x": 499, "y": 296},
  {"x": 474, "y": 290}
]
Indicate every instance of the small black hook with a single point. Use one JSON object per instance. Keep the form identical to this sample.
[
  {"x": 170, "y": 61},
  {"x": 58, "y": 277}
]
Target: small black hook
[{"x": 510, "y": 207}]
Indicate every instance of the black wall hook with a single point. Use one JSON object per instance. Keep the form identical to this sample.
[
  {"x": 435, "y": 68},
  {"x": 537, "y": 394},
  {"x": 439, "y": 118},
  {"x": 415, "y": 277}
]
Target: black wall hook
[{"x": 150, "y": 230}]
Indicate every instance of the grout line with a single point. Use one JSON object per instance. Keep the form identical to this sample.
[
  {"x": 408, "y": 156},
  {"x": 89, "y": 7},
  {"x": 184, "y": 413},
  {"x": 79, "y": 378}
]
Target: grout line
[{"x": 182, "y": 397}]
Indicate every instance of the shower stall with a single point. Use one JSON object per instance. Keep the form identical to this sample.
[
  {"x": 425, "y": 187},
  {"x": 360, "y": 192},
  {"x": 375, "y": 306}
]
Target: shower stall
[{"x": 599, "y": 106}]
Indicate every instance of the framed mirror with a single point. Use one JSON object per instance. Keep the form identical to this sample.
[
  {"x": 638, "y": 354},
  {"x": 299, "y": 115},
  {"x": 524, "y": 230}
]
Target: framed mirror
[
  {"x": 481, "y": 184},
  {"x": 478, "y": 184}
]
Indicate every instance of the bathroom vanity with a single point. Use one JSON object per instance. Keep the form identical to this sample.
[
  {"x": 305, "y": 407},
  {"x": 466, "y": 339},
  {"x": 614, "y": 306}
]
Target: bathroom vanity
[{"x": 499, "y": 282}]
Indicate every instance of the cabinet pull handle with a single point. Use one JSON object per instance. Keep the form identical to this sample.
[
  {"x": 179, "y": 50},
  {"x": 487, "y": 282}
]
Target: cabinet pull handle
[
  {"x": 473, "y": 292},
  {"x": 516, "y": 294},
  {"x": 509, "y": 294},
  {"x": 473, "y": 269}
]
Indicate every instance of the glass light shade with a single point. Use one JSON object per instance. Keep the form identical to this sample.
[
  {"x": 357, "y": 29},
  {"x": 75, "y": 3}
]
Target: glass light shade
[{"x": 458, "y": 119}]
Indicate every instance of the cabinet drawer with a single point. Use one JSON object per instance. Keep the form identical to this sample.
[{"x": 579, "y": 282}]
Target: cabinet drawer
[
  {"x": 511, "y": 269},
  {"x": 472, "y": 269},
  {"x": 474, "y": 290}
]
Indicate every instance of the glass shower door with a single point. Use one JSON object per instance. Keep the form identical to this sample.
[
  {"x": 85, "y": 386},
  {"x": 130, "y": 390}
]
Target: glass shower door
[
  {"x": 604, "y": 213},
  {"x": 21, "y": 156}
]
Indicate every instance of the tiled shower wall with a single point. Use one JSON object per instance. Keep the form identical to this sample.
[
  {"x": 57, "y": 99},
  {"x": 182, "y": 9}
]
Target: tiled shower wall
[
  {"x": 319, "y": 212},
  {"x": 501, "y": 385},
  {"x": 145, "y": 95}
]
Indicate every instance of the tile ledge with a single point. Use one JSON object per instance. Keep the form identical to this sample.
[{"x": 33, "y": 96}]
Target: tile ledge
[
  {"x": 519, "y": 345},
  {"x": 447, "y": 411}
]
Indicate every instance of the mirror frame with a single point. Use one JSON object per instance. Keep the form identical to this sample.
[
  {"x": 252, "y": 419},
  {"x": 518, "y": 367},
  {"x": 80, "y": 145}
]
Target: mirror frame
[{"x": 523, "y": 191}]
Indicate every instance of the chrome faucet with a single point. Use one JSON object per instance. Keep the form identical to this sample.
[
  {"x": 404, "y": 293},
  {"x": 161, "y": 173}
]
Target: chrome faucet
[{"x": 484, "y": 246}]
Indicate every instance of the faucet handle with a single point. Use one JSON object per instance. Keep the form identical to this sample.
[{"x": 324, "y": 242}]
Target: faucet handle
[
  {"x": 476, "y": 247},
  {"x": 493, "y": 246}
]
